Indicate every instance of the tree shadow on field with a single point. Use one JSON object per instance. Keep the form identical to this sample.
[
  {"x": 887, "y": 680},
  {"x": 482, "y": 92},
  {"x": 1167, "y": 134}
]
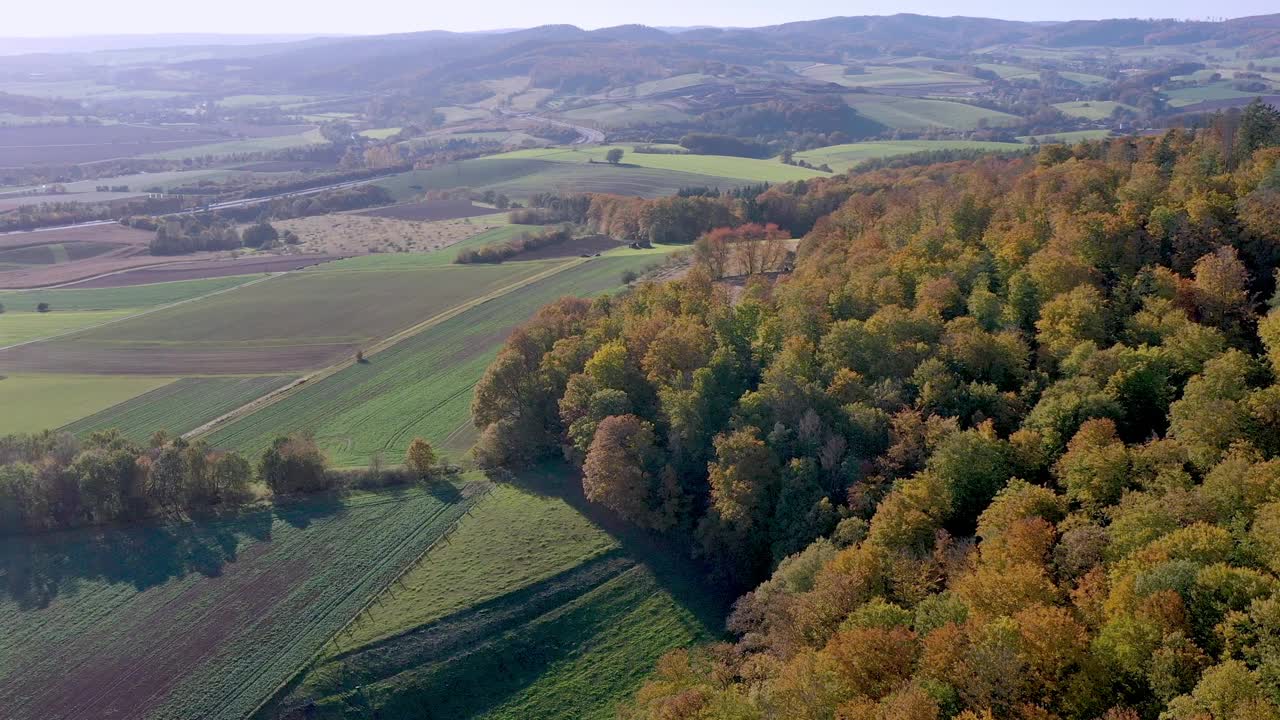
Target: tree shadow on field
[
  {"x": 668, "y": 557},
  {"x": 35, "y": 569}
]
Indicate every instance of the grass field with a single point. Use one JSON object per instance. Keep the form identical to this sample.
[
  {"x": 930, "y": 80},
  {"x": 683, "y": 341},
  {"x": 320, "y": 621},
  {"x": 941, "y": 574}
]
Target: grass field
[
  {"x": 738, "y": 168},
  {"x": 1092, "y": 109},
  {"x": 531, "y": 610},
  {"x": 843, "y": 157},
  {"x": 908, "y": 113},
  {"x": 25, "y": 326},
  {"x": 419, "y": 387},
  {"x": 180, "y": 406},
  {"x": 34, "y": 402},
  {"x": 200, "y": 619}
]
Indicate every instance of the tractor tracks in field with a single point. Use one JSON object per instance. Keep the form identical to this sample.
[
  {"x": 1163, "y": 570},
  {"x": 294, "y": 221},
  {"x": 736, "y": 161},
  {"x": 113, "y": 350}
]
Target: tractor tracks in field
[{"x": 387, "y": 343}]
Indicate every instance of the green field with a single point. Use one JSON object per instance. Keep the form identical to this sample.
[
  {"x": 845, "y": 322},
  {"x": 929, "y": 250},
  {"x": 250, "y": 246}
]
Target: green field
[
  {"x": 380, "y": 133},
  {"x": 35, "y": 402},
  {"x": 519, "y": 177},
  {"x": 1092, "y": 109},
  {"x": 420, "y": 386},
  {"x": 844, "y": 157},
  {"x": 297, "y": 321},
  {"x": 180, "y": 406},
  {"x": 200, "y": 619},
  {"x": 907, "y": 113},
  {"x": 1067, "y": 137},
  {"x": 625, "y": 113},
  {"x": 738, "y": 168},
  {"x": 1217, "y": 91},
  {"x": 73, "y": 309},
  {"x": 885, "y": 76},
  {"x": 531, "y": 610}
]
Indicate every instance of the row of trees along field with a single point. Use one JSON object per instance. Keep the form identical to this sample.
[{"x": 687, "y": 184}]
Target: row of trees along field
[
  {"x": 1003, "y": 446},
  {"x": 54, "y": 480}
]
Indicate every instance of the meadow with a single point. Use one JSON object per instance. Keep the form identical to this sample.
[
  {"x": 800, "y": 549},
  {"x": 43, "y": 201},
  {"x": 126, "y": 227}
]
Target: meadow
[
  {"x": 887, "y": 76},
  {"x": 247, "y": 145},
  {"x": 844, "y": 157},
  {"x": 420, "y": 386},
  {"x": 202, "y": 619}
]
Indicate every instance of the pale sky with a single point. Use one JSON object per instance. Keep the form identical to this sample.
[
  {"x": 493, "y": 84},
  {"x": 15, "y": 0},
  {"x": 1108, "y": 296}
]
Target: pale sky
[{"x": 23, "y": 18}]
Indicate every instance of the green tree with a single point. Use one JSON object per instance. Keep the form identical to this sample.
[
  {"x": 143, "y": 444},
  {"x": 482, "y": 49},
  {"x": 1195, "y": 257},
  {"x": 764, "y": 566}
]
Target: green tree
[
  {"x": 614, "y": 156},
  {"x": 420, "y": 458}
]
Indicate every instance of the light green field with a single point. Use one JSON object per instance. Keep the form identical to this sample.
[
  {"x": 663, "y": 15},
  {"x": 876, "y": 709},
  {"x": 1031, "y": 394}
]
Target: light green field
[
  {"x": 1092, "y": 109},
  {"x": 380, "y": 133},
  {"x": 921, "y": 114},
  {"x": 421, "y": 386},
  {"x": 250, "y": 145},
  {"x": 620, "y": 114},
  {"x": 36, "y": 402},
  {"x": 247, "y": 101},
  {"x": 1007, "y": 71},
  {"x": 675, "y": 82},
  {"x": 844, "y": 157},
  {"x": 1218, "y": 91},
  {"x": 20, "y": 327},
  {"x": 454, "y": 113},
  {"x": 75, "y": 309},
  {"x": 1067, "y": 137},
  {"x": 886, "y": 75},
  {"x": 523, "y": 173},
  {"x": 748, "y": 169}
]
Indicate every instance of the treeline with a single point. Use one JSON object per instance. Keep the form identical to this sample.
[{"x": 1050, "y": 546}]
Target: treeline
[
  {"x": 525, "y": 242},
  {"x": 1006, "y": 444},
  {"x": 53, "y": 480},
  {"x": 53, "y": 214}
]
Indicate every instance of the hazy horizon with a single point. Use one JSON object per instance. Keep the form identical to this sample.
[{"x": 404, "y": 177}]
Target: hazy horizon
[{"x": 81, "y": 18}]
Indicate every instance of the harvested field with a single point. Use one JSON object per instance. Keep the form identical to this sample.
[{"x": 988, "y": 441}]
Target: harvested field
[
  {"x": 53, "y": 253},
  {"x": 122, "y": 257},
  {"x": 428, "y": 210},
  {"x": 357, "y": 234},
  {"x": 420, "y": 387},
  {"x": 71, "y": 144},
  {"x": 605, "y": 178},
  {"x": 294, "y": 322},
  {"x": 212, "y": 268},
  {"x": 180, "y": 406},
  {"x": 202, "y": 619}
]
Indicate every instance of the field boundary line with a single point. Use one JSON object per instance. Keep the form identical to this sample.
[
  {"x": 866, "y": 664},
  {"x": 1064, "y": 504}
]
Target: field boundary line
[
  {"x": 279, "y": 394},
  {"x": 148, "y": 311},
  {"x": 486, "y": 488}
]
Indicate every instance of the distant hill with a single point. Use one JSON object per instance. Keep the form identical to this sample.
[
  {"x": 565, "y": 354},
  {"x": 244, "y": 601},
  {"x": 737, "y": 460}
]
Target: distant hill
[{"x": 99, "y": 43}]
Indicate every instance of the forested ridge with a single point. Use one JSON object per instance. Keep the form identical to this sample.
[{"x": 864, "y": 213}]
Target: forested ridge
[{"x": 1003, "y": 445}]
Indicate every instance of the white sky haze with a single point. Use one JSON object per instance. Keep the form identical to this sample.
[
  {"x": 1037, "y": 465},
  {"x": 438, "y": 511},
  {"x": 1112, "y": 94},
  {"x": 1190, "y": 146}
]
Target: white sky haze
[{"x": 22, "y": 18}]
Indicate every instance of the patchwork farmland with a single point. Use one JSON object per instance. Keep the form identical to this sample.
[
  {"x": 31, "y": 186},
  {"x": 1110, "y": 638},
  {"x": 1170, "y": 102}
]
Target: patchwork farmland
[
  {"x": 419, "y": 387},
  {"x": 207, "y": 618}
]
